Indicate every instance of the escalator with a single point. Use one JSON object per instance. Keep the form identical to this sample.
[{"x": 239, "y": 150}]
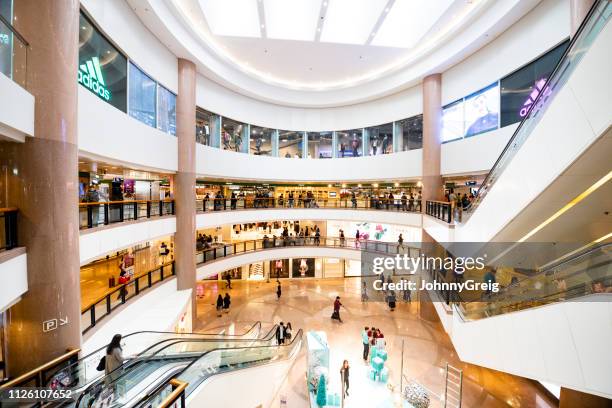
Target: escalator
[
  {"x": 144, "y": 381},
  {"x": 164, "y": 357},
  {"x": 564, "y": 134}
]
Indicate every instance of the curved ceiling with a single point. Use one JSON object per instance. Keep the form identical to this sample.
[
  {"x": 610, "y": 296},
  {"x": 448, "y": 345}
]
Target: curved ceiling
[{"x": 323, "y": 53}]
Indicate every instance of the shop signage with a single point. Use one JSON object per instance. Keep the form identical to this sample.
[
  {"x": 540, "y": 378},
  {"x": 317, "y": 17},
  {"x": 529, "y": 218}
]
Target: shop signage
[
  {"x": 533, "y": 95},
  {"x": 90, "y": 76},
  {"x": 54, "y": 324}
]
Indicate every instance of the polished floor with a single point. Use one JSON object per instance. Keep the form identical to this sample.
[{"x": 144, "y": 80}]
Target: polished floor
[
  {"x": 95, "y": 275},
  {"x": 307, "y": 304}
]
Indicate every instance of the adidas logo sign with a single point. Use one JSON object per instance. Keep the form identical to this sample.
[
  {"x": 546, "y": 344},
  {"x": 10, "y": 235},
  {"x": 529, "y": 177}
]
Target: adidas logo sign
[{"x": 90, "y": 76}]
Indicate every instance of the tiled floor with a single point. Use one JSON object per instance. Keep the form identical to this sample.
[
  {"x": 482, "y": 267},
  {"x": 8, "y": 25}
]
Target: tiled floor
[
  {"x": 307, "y": 305},
  {"x": 94, "y": 276}
]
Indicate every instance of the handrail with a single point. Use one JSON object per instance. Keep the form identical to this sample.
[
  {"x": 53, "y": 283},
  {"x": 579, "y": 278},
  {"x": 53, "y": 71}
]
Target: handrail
[
  {"x": 8, "y": 209},
  {"x": 537, "y": 105},
  {"x": 39, "y": 371},
  {"x": 14, "y": 31},
  {"x": 118, "y": 287},
  {"x": 310, "y": 241},
  {"x": 165, "y": 200},
  {"x": 177, "y": 392}
]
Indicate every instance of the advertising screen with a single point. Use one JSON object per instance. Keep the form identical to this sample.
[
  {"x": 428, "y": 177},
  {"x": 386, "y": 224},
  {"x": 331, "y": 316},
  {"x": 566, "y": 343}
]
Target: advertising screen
[
  {"x": 452, "y": 121},
  {"x": 482, "y": 110}
]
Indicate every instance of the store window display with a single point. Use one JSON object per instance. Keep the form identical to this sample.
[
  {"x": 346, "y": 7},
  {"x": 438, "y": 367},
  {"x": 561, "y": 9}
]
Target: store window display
[
  {"x": 320, "y": 145},
  {"x": 409, "y": 133},
  {"x": 235, "y": 136},
  {"x": 303, "y": 267},
  {"x": 350, "y": 143},
  {"x": 207, "y": 128},
  {"x": 261, "y": 141},
  {"x": 290, "y": 144},
  {"x": 380, "y": 139}
]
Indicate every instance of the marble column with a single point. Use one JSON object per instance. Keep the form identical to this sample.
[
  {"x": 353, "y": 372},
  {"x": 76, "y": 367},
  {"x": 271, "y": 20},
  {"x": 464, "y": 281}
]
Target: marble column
[
  {"x": 578, "y": 11},
  {"x": 43, "y": 184},
  {"x": 432, "y": 119},
  {"x": 576, "y": 399},
  {"x": 185, "y": 180}
]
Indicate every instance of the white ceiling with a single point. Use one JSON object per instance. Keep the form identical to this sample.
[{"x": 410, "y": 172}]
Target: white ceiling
[{"x": 325, "y": 43}]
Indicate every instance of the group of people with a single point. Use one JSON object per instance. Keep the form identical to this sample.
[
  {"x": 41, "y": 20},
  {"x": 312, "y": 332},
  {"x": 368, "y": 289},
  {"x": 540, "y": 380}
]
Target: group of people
[
  {"x": 371, "y": 337},
  {"x": 204, "y": 241},
  {"x": 307, "y": 200},
  {"x": 223, "y": 304},
  {"x": 303, "y": 236},
  {"x": 283, "y": 333}
]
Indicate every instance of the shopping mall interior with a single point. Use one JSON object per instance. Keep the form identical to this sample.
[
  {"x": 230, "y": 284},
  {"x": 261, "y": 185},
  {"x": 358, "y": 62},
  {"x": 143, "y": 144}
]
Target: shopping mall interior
[{"x": 306, "y": 203}]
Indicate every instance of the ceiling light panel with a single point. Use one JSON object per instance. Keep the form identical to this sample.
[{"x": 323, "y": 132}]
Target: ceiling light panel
[
  {"x": 351, "y": 21},
  {"x": 236, "y": 18},
  {"x": 408, "y": 21},
  {"x": 291, "y": 19}
]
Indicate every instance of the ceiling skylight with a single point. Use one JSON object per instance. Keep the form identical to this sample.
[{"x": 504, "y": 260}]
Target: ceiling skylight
[
  {"x": 408, "y": 21},
  {"x": 236, "y": 18},
  {"x": 291, "y": 19},
  {"x": 351, "y": 21}
]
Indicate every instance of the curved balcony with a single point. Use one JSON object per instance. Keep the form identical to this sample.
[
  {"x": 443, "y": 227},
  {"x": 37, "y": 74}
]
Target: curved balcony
[{"x": 223, "y": 257}]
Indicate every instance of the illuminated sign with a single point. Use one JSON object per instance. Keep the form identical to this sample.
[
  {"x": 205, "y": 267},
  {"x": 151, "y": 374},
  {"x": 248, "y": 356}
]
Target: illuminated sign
[
  {"x": 90, "y": 76},
  {"x": 533, "y": 95}
]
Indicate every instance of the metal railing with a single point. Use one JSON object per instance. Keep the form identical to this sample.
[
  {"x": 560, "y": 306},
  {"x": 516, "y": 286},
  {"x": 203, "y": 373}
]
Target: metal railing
[
  {"x": 39, "y": 376},
  {"x": 119, "y": 295},
  {"x": 13, "y": 64},
  {"x": 8, "y": 217},
  {"x": 442, "y": 210},
  {"x": 92, "y": 215},
  {"x": 589, "y": 29},
  {"x": 242, "y": 203},
  {"x": 225, "y": 250}
]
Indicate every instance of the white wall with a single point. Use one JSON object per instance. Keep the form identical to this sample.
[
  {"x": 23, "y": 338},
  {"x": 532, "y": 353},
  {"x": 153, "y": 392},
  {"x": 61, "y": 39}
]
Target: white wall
[
  {"x": 157, "y": 309},
  {"x": 225, "y": 164},
  {"x": 538, "y": 31},
  {"x": 574, "y": 119},
  {"x": 17, "y": 112},
  {"x": 98, "y": 242},
  {"x": 216, "y": 218},
  {"x": 553, "y": 343},
  {"x": 256, "y": 386},
  {"x": 106, "y": 133},
  {"x": 221, "y": 100},
  {"x": 119, "y": 22},
  {"x": 223, "y": 264},
  {"x": 474, "y": 154},
  {"x": 13, "y": 279}
]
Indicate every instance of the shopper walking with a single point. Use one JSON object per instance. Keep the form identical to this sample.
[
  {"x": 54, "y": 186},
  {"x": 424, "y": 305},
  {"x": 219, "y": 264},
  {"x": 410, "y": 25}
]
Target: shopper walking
[
  {"x": 391, "y": 300},
  {"x": 400, "y": 243},
  {"x": 228, "y": 280},
  {"x": 336, "y": 313},
  {"x": 288, "y": 331},
  {"x": 227, "y": 301},
  {"x": 357, "y": 239},
  {"x": 278, "y": 291},
  {"x": 366, "y": 343},
  {"x": 219, "y": 305},
  {"x": 344, "y": 375},
  {"x": 364, "y": 291}
]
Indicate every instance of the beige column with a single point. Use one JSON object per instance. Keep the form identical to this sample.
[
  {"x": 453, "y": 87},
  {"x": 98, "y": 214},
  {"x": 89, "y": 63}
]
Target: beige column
[
  {"x": 576, "y": 399},
  {"x": 578, "y": 11},
  {"x": 43, "y": 184},
  {"x": 432, "y": 117},
  {"x": 184, "y": 182}
]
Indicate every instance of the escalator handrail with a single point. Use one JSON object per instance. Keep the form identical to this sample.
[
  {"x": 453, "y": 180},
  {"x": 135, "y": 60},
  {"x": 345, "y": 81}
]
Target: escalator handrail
[
  {"x": 570, "y": 48},
  {"x": 139, "y": 359},
  {"x": 461, "y": 306},
  {"x": 153, "y": 392},
  {"x": 93, "y": 353}
]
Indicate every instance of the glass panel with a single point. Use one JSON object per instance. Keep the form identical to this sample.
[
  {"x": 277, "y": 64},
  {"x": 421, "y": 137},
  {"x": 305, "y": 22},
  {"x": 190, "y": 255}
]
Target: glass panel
[
  {"x": 452, "y": 121},
  {"x": 234, "y": 135},
  {"x": 517, "y": 88},
  {"x": 350, "y": 143},
  {"x": 290, "y": 144},
  {"x": 102, "y": 68},
  {"x": 207, "y": 128},
  {"x": 410, "y": 133},
  {"x": 142, "y": 96},
  {"x": 166, "y": 111},
  {"x": 320, "y": 145},
  {"x": 381, "y": 139},
  {"x": 261, "y": 141}
]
